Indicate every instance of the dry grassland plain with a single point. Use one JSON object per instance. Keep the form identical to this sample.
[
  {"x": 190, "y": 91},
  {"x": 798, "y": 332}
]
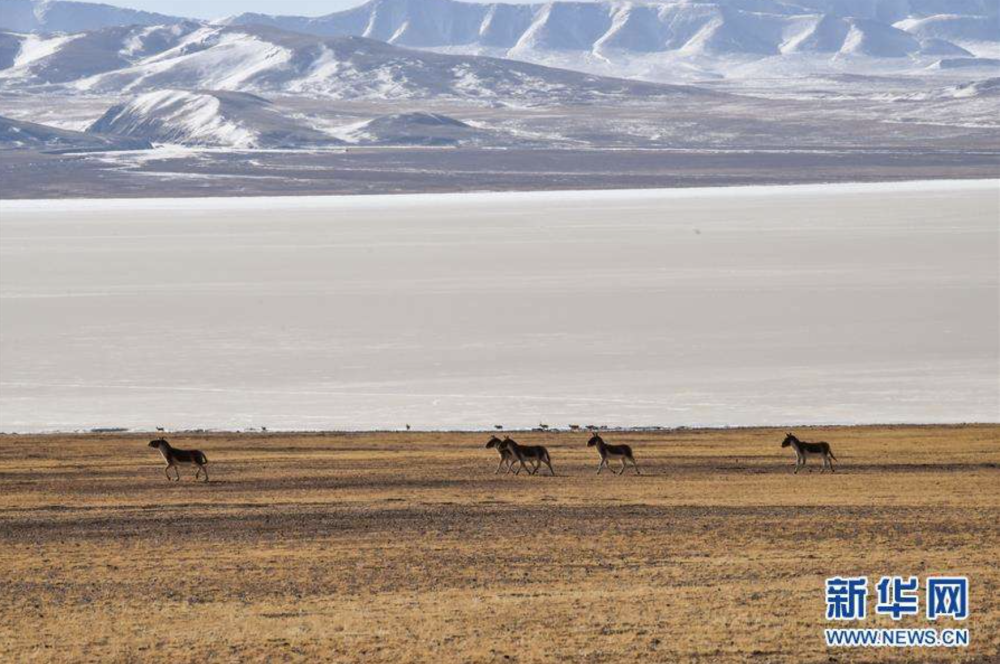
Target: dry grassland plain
[{"x": 392, "y": 547}]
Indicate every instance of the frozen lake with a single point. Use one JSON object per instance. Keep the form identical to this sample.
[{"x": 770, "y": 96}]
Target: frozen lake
[{"x": 807, "y": 304}]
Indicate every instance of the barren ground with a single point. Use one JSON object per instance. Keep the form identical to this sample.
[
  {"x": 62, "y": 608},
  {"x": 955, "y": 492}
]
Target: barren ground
[{"x": 392, "y": 547}]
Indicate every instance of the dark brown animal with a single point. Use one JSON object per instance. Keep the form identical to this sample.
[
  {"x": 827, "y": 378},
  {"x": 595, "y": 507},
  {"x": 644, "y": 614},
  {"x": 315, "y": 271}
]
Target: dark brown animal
[
  {"x": 534, "y": 453},
  {"x": 804, "y": 450},
  {"x": 174, "y": 457},
  {"x": 621, "y": 453},
  {"x": 506, "y": 456}
]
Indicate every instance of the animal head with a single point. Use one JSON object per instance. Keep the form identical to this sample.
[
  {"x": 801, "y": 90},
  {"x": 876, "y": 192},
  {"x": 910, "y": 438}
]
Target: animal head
[
  {"x": 494, "y": 442},
  {"x": 156, "y": 443},
  {"x": 594, "y": 440},
  {"x": 789, "y": 439}
]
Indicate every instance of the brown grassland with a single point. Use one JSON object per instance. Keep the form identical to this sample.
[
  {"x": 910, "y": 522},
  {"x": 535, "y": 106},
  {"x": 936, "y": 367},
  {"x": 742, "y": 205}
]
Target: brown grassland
[{"x": 393, "y": 547}]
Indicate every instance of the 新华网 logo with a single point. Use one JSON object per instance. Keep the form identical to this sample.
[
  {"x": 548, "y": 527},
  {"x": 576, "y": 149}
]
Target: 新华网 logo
[{"x": 847, "y": 599}]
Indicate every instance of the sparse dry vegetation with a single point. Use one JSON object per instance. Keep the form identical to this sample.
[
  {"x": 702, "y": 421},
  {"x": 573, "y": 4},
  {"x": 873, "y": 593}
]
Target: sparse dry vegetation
[{"x": 406, "y": 547}]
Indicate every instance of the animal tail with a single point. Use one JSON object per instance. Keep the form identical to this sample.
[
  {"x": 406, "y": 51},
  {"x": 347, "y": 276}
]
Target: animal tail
[
  {"x": 202, "y": 459},
  {"x": 833, "y": 457}
]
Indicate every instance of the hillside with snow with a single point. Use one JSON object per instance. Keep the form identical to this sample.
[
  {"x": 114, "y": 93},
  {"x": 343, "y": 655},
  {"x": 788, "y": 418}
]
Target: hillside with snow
[
  {"x": 208, "y": 118},
  {"x": 22, "y": 135},
  {"x": 415, "y": 128},
  {"x": 258, "y": 59}
]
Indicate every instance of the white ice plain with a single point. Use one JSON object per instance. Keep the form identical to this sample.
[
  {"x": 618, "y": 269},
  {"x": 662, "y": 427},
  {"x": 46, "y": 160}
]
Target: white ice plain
[{"x": 784, "y": 305}]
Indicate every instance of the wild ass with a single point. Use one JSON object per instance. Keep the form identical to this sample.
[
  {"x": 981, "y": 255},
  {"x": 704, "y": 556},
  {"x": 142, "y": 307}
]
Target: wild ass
[
  {"x": 535, "y": 453},
  {"x": 621, "y": 453},
  {"x": 506, "y": 456},
  {"x": 804, "y": 450},
  {"x": 174, "y": 457}
]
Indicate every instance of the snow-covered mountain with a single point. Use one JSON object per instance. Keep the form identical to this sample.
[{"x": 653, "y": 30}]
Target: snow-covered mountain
[
  {"x": 668, "y": 40},
  {"x": 58, "y": 16},
  {"x": 416, "y": 128},
  {"x": 208, "y": 118},
  {"x": 61, "y": 58},
  {"x": 261, "y": 59},
  {"x": 877, "y": 28},
  {"x": 21, "y": 135}
]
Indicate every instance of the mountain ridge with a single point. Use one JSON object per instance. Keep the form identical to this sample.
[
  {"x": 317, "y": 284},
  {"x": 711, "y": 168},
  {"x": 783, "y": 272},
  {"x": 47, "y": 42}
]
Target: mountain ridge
[{"x": 262, "y": 59}]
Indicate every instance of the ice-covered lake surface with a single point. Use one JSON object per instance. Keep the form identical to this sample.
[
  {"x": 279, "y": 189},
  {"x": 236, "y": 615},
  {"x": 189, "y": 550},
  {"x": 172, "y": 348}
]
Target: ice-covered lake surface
[{"x": 784, "y": 305}]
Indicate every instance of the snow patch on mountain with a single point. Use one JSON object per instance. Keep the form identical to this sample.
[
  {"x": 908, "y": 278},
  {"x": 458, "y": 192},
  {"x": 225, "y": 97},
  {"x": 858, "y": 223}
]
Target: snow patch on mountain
[
  {"x": 416, "y": 128},
  {"x": 31, "y": 49}
]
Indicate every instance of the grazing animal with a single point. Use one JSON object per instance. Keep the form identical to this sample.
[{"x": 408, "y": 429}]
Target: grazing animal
[
  {"x": 506, "y": 456},
  {"x": 174, "y": 457},
  {"x": 535, "y": 453},
  {"x": 804, "y": 450},
  {"x": 621, "y": 453}
]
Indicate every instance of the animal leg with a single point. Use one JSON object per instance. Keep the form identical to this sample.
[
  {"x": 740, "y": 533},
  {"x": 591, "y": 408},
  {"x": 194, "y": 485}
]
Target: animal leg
[
  {"x": 499, "y": 466},
  {"x": 548, "y": 462},
  {"x": 635, "y": 465},
  {"x": 204, "y": 471},
  {"x": 166, "y": 471},
  {"x": 604, "y": 462},
  {"x": 622, "y": 471}
]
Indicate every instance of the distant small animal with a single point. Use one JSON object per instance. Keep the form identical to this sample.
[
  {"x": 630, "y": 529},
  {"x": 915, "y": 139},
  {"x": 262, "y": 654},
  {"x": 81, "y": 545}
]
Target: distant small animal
[
  {"x": 160, "y": 429},
  {"x": 498, "y": 427},
  {"x": 621, "y": 453},
  {"x": 174, "y": 457},
  {"x": 407, "y": 427},
  {"x": 534, "y": 453},
  {"x": 506, "y": 456},
  {"x": 804, "y": 450}
]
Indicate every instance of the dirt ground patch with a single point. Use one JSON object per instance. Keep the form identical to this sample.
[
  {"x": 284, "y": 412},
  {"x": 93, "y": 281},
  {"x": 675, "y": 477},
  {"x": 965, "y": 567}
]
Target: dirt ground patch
[{"x": 390, "y": 547}]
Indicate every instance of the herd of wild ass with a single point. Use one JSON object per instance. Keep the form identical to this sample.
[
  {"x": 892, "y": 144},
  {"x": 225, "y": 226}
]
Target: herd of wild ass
[{"x": 515, "y": 457}]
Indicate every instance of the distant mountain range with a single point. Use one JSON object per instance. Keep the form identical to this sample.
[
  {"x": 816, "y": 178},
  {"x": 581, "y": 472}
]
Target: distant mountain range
[
  {"x": 759, "y": 27},
  {"x": 190, "y": 56},
  {"x": 671, "y": 40},
  {"x": 59, "y": 16}
]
